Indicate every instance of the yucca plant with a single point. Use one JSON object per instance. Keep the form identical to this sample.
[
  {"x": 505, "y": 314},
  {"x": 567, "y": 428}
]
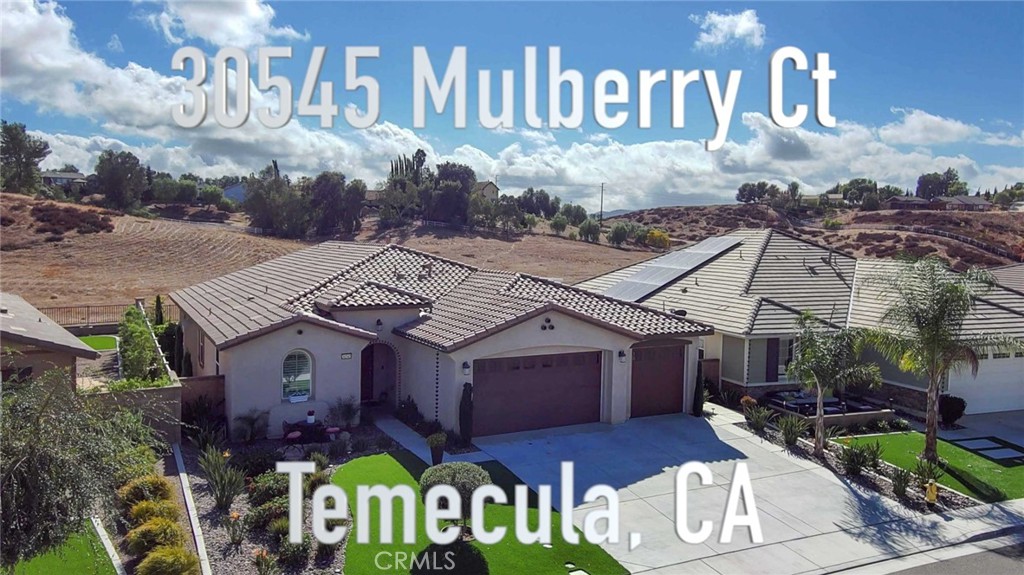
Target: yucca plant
[
  {"x": 792, "y": 427},
  {"x": 758, "y": 418},
  {"x": 900, "y": 481},
  {"x": 226, "y": 482}
]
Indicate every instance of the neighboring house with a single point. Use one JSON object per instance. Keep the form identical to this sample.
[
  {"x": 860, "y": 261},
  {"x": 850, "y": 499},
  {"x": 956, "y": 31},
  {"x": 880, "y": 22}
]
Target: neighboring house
[
  {"x": 489, "y": 190},
  {"x": 751, "y": 285},
  {"x": 61, "y": 179},
  {"x": 1009, "y": 276},
  {"x": 906, "y": 203},
  {"x": 964, "y": 203},
  {"x": 382, "y": 323},
  {"x": 235, "y": 192},
  {"x": 38, "y": 343}
]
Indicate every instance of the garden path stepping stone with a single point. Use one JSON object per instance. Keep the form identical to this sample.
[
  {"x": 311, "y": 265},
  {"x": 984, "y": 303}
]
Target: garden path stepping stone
[
  {"x": 978, "y": 444},
  {"x": 1004, "y": 453}
]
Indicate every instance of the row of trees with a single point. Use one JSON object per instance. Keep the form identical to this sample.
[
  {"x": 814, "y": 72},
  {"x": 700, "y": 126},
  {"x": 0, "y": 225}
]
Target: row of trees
[{"x": 316, "y": 206}]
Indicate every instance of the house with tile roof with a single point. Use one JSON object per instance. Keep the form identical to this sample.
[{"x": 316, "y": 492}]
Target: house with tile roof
[
  {"x": 751, "y": 285},
  {"x": 488, "y": 189},
  {"x": 382, "y": 323},
  {"x": 33, "y": 343}
]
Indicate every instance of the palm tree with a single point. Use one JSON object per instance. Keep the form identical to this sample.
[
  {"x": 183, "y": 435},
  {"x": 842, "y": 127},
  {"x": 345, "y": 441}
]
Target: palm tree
[
  {"x": 922, "y": 330},
  {"x": 827, "y": 359}
]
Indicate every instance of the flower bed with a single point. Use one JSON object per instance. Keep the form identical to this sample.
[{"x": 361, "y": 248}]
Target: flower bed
[{"x": 257, "y": 536}]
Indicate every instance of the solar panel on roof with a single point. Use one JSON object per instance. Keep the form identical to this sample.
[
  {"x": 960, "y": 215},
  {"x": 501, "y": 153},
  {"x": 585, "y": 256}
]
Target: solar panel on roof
[{"x": 666, "y": 269}]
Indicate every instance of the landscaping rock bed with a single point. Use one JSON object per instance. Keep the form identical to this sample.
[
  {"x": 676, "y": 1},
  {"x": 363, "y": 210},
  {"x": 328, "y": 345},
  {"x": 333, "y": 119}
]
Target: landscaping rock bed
[
  {"x": 876, "y": 480},
  {"x": 226, "y": 558}
]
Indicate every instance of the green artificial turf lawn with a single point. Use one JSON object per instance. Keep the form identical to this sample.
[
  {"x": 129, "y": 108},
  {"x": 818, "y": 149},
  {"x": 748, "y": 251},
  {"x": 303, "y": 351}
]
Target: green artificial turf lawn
[
  {"x": 964, "y": 471},
  {"x": 83, "y": 554},
  {"x": 507, "y": 557},
  {"x": 100, "y": 342}
]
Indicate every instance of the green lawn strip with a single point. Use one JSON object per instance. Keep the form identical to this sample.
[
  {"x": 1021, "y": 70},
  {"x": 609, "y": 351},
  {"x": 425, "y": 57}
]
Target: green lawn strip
[
  {"x": 965, "y": 472},
  {"x": 507, "y": 557},
  {"x": 83, "y": 553},
  {"x": 100, "y": 342}
]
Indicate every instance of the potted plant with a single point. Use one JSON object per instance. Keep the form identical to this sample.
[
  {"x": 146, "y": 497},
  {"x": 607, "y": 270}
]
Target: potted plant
[
  {"x": 311, "y": 416},
  {"x": 436, "y": 442}
]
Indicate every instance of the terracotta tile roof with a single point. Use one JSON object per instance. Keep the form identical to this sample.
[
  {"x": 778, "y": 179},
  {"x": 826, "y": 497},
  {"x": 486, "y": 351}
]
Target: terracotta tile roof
[{"x": 465, "y": 303}]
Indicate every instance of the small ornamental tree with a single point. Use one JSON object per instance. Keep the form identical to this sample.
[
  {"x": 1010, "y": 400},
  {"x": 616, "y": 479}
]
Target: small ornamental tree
[
  {"x": 158, "y": 311},
  {"x": 558, "y": 224},
  {"x": 466, "y": 414},
  {"x": 590, "y": 231},
  {"x": 618, "y": 234},
  {"x": 179, "y": 351},
  {"x": 464, "y": 477}
]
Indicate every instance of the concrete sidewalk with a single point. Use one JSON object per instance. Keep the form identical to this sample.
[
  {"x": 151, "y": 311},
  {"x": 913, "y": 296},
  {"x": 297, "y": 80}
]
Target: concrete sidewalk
[{"x": 417, "y": 444}]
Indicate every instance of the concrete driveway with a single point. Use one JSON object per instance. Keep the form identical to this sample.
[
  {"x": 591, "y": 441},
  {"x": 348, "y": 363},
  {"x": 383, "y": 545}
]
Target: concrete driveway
[{"x": 797, "y": 501}]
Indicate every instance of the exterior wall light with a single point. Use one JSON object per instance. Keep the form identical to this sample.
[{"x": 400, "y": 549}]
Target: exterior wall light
[
  {"x": 465, "y": 368},
  {"x": 380, "y": 325},
  {"x": 622, "y": 356}
]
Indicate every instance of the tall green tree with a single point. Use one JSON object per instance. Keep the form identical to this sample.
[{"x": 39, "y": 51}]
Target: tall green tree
[
  {"x": 827, "y": 359},
  {"x": 352, "y": 203},
  {"x": 20, "y": 155},
  {"x": 121, "y": 178},
  {"x": 327, "y": 201},
  {"x": 922, "y": 331}
]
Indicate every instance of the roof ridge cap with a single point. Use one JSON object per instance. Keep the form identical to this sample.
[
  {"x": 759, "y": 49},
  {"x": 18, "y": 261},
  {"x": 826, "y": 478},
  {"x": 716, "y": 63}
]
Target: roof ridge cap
[
  {"x": 322, "y": 284},
  {"x": 399, "y": 247},
  {"x": 757, "y": 262},
  {"x": 752, "y": 316}
]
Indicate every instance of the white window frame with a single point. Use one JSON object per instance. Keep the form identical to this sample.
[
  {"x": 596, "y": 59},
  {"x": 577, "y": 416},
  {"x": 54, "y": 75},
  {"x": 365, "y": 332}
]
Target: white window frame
[{"x": 292, "y": 396}]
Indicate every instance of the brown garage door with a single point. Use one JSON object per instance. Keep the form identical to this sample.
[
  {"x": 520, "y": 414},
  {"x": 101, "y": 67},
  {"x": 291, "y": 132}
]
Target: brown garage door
[
  {"x": 657, "y": 380},
  {"x": 533, "y": 392}
]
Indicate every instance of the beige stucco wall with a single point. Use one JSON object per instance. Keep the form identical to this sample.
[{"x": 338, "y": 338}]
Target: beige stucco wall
[
  {"x": 252, "y": 373},
  {"x": 191, "y": 335},
  {"x": 733, "y": 358},
  {"x": 40, "y": 360}
]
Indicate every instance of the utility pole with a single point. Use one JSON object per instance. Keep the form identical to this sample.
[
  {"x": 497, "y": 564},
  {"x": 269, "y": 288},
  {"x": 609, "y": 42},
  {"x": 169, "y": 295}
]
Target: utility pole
[{"x": 600, "y": 215}]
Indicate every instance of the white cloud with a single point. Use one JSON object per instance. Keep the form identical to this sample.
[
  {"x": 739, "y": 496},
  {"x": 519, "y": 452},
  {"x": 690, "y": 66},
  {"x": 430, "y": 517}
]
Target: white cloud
[
  {"x": 114, "y": 45},
  {"x": 1003, "y": 139},
  {"x": 917, "y": 127},
  {"x": 243, "y": 24},
  {"x": 722, "y": 30}
]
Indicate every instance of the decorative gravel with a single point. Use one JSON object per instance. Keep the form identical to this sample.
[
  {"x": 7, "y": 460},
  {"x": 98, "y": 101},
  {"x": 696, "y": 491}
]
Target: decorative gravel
[
  {"x": 228, "y": 559},
  {"x": 876, "y": 480}
]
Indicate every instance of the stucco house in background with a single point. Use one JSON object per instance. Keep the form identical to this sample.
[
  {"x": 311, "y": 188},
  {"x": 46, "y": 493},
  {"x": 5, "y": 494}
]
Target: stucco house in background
[
  {"x": 751, "y": 285},
  {"x": 383, "y": 322},
  {"x": 36, "y": 343},
  {"x": 489, "y": 190}
]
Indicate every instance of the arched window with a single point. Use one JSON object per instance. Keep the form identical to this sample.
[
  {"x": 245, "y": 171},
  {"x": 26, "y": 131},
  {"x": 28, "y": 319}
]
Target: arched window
[{"x": 297, "y": 376}]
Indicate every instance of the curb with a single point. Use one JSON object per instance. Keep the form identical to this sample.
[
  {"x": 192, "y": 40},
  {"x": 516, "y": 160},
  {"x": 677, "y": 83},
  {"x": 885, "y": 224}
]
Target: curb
[
  {"x": 193, "y": 518},
  {"x": 108, "y": 545}
]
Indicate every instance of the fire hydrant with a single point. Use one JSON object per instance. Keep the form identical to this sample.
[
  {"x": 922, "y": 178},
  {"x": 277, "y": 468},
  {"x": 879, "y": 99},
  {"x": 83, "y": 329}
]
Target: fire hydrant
[{"x": 931, "y": 492}]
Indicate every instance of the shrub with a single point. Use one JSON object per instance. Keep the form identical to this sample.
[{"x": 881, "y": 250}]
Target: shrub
[
  {"x": 137, "y": 348},
  {"x": 618, "y": 234},
  {"x": 263, "y": 514},
  {"x": 729, "y": 398},
  {"x": 266, "y": 486},
  {"x": 143, "y": 511},
  {"x": 558, "y": 224},
  {"x": 926, "y": 471},
  {"x": 899, "y": 424},
  {"x": 255, "y": 461},
  {"x": 748, "y": 402},
  {"x": 321, "y": 459},
  {"x": 464, "y": 477},
  {"x": 792, "y": 427},
  {"x": 251, "y": 426},
  {"x": 344, "y": 412},
  {"x": 873, "y": 451},
  {"x": 314, "y": 480},
  {"x": 152, "y": 534},
  {"x": 882, "y": 426},
  {"x": 235, "y": 527},
  {"x": 278, "y": 529},
  {"x": 294, "y": 555},
  {"x": 900, "y": 481},
  {"x": 408, "y": 412},
  {"x": 325, "y": 551},
  {"x": 339, "y": 447},
  {"x": 207, "y": 435},
  {"x": 758, "y": 418},
  {"x": 360, "y": 444},
  {"x": 658, "y": 239},
  {"x": 226, "y": 482},
  {"x": 135, "y": 462},
  {"x": 264, "y": 562},
  {"x": 169, "y": 560},
  {"x": 572, "y": 235},
  {"x": 832, "y": 432},
  {"x": 590, "y": 230},
  {"x": 853, "y": 458},
  {"x": 146, "y": 488},
  {"x": 438, "y": 439},
  {"x": 951, "y": 408}
]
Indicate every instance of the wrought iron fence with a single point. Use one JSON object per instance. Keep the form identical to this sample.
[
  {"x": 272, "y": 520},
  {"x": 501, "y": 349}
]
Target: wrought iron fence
[{"x": 84, "y": 315}]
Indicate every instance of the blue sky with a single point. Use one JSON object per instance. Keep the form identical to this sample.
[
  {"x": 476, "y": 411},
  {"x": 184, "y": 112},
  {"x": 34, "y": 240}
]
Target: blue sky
[{"x": 920, "y": 86}]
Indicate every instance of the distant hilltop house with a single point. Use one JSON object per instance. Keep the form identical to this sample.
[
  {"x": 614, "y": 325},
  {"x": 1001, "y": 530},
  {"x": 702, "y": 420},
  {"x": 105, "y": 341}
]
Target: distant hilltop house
[
  {"x": 964, "y": 203},
  {"x": 954, "y": 203},
  {"x": 37, "y": 344},
  {"x": 74, "y": 179},
  {"x": 489, "y": 190}
]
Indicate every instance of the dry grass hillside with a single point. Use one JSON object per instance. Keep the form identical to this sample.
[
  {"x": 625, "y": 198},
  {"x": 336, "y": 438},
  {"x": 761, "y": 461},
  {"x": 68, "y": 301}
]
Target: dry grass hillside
[
  {"x": 864, "y": 234},
  {"x": 113, "y": 258}
]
